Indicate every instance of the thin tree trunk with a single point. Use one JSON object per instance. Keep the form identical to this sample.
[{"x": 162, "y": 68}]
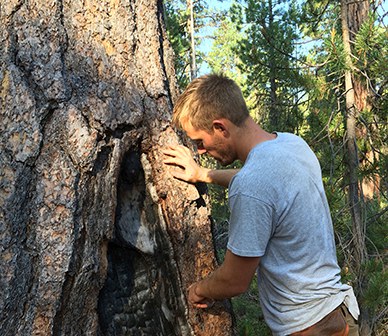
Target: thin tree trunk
[
  {"x": 274, "y": 112},
  {"x": 355, "y": 201},
  {"x": 193, "y": 64},
  {"x": 352, "y": 150},
  {"x": 357, "y": 14},
  {"x": 96, "y": 237}
]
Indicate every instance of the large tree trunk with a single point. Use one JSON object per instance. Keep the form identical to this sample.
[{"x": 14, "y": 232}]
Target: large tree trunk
[{"x": 96, "y": 237}]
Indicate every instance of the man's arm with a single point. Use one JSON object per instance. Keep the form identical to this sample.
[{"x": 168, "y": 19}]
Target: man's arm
[
  {"x": 232, "y": 278},
  {"x": 191, "y": 172}
]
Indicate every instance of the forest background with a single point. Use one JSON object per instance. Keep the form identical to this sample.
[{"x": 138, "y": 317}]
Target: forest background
[{"x": 317, "y": 69}]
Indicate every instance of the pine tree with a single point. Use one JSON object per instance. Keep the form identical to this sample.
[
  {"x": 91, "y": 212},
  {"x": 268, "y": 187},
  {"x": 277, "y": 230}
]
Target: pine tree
[
  {"x": 343, "y": 92},
  {"x": 267, "y": 54}
]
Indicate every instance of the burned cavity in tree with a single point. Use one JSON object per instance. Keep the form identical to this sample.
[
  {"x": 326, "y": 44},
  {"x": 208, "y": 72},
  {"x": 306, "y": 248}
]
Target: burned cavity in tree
[{"x": 134, "y": 299}]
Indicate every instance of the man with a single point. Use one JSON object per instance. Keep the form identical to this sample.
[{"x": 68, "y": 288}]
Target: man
[{"x": 280, "y": 223}]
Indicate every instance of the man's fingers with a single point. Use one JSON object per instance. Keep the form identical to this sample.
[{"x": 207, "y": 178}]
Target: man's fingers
[
  {"x": 181, "y": 157},
  {"x": 169, "y": 152},
  {"x": 179, "y": 175},
  {"x": 174, "y": 162},
  {"x": 203, "y": 305},
  {"x": 177, "y": 151}
]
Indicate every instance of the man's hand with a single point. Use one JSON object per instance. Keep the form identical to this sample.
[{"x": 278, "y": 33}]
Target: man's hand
[
  {"x": 198, "y": 301},
  {"x": 182, "y": 157},
  {"x": 232, "y": 278},
  {"x": 190, "y": 171}
]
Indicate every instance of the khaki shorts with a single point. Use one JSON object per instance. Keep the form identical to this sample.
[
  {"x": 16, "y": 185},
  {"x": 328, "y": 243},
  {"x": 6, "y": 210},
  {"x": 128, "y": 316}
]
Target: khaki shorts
[{"x": 338, "y": 323}]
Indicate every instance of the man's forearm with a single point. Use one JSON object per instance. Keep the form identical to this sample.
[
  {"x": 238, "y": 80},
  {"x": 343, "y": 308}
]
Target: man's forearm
[
  {"x": 232, "y": 278},
  {"x": 217, "y": 287},
  {"x": 221, "y": 177}
]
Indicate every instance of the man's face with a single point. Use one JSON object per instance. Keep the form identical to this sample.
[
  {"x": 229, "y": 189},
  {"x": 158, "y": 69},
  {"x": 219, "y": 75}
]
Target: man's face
[{"x": 214, "y": 143}]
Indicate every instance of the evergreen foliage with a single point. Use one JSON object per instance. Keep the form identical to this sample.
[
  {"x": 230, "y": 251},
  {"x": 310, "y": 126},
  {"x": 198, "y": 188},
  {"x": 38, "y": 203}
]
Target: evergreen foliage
[
  {"x": 175, "y": 19},
  {"x": 267, "y": 52}
]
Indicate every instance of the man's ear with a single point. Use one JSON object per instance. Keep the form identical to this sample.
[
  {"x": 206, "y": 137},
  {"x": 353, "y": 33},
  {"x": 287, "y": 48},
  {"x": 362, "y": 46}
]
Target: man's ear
[{"x": 221, "y": 126}]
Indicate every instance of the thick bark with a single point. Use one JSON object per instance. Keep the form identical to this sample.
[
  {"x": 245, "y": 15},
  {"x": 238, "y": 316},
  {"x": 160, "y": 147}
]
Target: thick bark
[{"x": 95, "y": 235}]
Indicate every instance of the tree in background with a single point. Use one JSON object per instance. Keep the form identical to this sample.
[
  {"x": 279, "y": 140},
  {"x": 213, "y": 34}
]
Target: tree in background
[
  {"x": 354, "y": 15},
  {"x": 176, "y": 27},
  {"x": 223, "y": 56},
  {"x": 185, "y": 21},
  {"x": 268, "y": 61},
  {"x": 340, "y": 104}
]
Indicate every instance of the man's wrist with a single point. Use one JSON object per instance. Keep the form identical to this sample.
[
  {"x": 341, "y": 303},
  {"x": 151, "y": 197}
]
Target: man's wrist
[
  {"x": 205, "y": 176},
  {"x": 200, "y": 289},
  {"x": 196, "y": 289}
]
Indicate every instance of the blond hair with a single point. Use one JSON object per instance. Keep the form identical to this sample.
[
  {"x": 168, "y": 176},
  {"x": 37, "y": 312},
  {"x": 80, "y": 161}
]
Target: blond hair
[{"x": 208, "y": 98}]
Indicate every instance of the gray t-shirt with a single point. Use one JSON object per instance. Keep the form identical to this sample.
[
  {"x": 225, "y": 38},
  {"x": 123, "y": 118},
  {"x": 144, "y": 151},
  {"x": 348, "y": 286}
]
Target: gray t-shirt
[{"x": 279, "y": 212}]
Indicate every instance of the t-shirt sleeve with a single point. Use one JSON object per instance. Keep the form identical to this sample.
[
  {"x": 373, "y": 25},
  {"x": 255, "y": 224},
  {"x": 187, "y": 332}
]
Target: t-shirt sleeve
[{"x": 250, "y": 225}]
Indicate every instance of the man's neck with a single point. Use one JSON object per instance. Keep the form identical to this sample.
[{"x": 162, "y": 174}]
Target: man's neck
[{"x": 248, "y": 136}]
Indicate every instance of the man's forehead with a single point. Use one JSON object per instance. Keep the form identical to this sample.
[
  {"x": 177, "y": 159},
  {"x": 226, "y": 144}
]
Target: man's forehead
[
  {"x": 194, "y": 133},
  {"x": 189, "y": 129}
]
